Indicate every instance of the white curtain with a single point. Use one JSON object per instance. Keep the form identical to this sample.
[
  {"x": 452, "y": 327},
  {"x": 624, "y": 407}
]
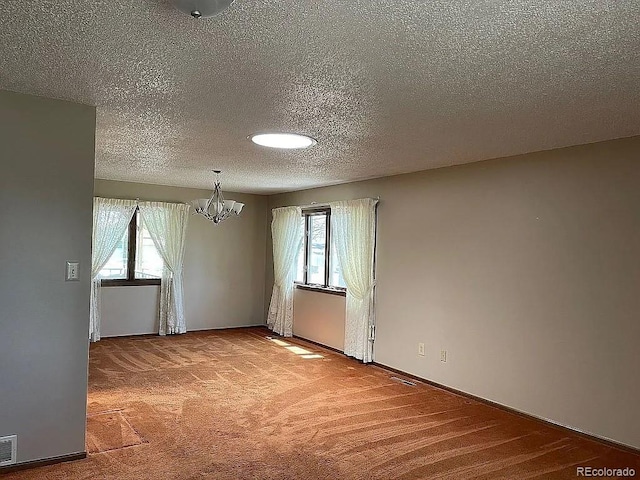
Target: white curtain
[
  {"x": 167, "y": 226},
  {"x": 286, "y": 232},
  {"x": 353, "y": 233},
  {"x": 111, "y": 219}
]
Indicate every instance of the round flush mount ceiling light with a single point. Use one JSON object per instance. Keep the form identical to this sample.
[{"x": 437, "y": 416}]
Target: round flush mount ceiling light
[
  {"x": 282, "y": 140},
  {"x": 201, "y": 8}
]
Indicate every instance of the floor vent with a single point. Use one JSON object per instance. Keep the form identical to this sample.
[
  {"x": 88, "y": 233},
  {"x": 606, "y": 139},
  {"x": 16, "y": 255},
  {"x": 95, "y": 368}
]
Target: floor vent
[
  {"x": 402, "y": 380},
  {"x": 8, "y": 450}
]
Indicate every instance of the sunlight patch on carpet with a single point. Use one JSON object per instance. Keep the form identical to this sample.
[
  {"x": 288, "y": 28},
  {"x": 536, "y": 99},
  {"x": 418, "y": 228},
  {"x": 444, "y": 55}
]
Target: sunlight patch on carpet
[
  {"x": 298, "y": 350},
  {"x": 110, "y": 431},
  {"x": 304, "y": 353}
]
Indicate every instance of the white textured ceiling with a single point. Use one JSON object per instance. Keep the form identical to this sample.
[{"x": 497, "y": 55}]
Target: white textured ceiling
[{"x": 385, "y": 86}]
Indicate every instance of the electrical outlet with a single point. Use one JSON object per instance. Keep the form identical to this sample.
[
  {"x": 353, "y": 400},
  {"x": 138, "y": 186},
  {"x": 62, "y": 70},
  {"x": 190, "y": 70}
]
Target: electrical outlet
[
  {"x": 73, "y": 272},
  {"x": 421, "y": 349},
  {"x": 443, "y": 356}
]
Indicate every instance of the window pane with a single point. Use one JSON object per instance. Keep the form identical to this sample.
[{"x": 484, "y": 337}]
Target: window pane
[
  {"x": 300, "y": 265},
  {"x": 148, "y": 260},
  {"x": 336, "y": 279},
  {"x": 116, "y": 266},
  {"x": 317, "y": 242}
]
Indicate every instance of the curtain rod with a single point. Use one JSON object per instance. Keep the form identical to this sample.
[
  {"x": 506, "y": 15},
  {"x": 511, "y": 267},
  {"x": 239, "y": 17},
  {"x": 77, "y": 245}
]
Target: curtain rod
[{"x": 326, "y": 204}]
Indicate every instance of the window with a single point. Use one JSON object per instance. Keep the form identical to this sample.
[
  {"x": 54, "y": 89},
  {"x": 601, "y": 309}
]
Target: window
[
  {"x": 317, "y": 261},
  {"x": 135, "y": 260}
]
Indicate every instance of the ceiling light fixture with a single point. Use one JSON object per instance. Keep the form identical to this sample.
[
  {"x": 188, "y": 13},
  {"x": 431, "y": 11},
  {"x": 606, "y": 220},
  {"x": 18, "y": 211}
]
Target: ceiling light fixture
[
  {"x": 201, "y": 8},
  {"x": 282, "y": 140},
  {"x": 216, "y": 209}
]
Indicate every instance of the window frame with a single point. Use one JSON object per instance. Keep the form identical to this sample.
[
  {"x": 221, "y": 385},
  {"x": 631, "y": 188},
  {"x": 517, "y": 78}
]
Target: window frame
[
  {"x": 131, "y": 261},
  {"x": 307, "y": 213}
]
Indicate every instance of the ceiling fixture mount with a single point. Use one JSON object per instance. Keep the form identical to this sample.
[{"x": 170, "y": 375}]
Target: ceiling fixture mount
[
  {"x": 283, "y": 140},
  {"x": 216, "y": 209},
  {"x": 202, "y": 8}
]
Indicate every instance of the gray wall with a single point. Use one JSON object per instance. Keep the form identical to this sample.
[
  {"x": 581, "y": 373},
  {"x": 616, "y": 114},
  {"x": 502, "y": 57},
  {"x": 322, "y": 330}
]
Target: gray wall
[
  {"x": 526, "y": 270},
  {"x": 224, "y": 267},
  {"x": 46, "y": 185}
]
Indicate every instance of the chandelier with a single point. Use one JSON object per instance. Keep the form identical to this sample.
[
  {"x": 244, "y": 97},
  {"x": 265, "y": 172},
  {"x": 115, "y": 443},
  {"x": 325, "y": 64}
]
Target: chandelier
[
  {"x": 216, "y": 209},
  {"x": 201, "y": 8}
]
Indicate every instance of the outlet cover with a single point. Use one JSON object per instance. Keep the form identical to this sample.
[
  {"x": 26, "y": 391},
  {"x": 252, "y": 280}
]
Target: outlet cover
[
  {"x": 443, "y": 356},
  {"x": 73, "y": 273},
  {"x": 421, "y": 349}
]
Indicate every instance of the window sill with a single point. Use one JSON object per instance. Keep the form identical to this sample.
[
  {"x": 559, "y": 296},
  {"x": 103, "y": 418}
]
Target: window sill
[
  {"x": 130, "y": 283},
  {"x": 317, "y": 288}
]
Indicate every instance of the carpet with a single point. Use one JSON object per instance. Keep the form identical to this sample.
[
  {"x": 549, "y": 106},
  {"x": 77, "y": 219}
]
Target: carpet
[
  {"x": 110, "y": 431},
  {"x": 237, "y": 404}
]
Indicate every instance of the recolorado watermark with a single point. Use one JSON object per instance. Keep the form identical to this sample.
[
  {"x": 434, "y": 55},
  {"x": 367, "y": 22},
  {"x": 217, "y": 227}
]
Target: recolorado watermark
[{"x": 595, "y": 472}]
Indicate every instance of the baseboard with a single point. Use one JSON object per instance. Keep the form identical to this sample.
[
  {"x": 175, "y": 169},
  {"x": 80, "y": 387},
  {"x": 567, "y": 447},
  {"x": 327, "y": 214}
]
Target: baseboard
[
  {"x": 590, "y": 436},
  {"x": 44, "y": 462},
  {"x": 227, "y": 328},
  {"x": 126, "y": 335},
  {"x": 155, "y": 334}
]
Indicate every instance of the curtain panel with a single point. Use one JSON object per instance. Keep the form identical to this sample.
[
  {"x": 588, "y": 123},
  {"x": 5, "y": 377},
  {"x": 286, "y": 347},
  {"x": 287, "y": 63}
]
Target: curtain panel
[
  {"x": 286, "y": 232},
  {"x": 353, "y": 234},
  {"x": 111, "y": 218},
  {"x": 167, "y": 226}
]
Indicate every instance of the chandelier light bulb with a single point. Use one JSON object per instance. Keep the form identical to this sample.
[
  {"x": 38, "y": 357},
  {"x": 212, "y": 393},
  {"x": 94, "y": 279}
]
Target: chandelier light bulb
[{"x": 216, "y": 209}]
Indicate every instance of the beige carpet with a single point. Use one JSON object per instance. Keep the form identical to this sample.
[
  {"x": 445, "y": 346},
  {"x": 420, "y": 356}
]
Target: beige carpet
[
  {"x": 236, "y": 405},
  {"x": 110, "y": 431}
]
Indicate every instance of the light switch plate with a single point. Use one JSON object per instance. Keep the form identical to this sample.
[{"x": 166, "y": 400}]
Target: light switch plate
[{"x": 73, "y": 272}]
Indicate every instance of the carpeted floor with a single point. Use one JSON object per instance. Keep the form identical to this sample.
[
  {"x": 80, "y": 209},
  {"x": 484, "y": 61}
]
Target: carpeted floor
[{"x": 236, "y": 405}]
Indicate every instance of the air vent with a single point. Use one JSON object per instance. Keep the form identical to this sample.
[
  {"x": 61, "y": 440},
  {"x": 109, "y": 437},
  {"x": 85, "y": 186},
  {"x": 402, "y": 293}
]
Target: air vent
[
  {"x": 8, "y": 450},
  {"x": 402, "y": 380}
]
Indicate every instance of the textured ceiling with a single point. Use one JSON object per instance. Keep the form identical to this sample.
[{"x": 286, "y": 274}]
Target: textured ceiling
[{"x": 385, "y": 86}]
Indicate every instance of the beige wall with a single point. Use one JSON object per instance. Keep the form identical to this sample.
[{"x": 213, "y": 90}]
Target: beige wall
[
  {"x": 224, "y": 268},
  {"x": 526, "y": 270},
  {"x": 129, "y": 310},
  {"x": 46, "y": 184},
  {"x": 319, "y": 317}
]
